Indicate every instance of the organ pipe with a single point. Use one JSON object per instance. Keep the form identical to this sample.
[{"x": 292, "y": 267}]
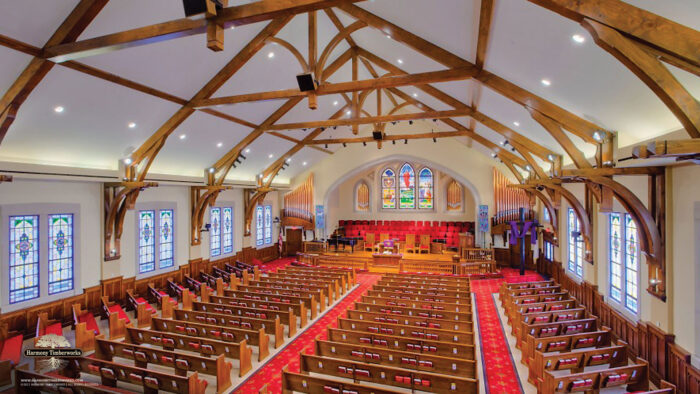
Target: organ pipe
[
  {"x": 508, "y": 200},
  {"x": 299, "y": 202}
]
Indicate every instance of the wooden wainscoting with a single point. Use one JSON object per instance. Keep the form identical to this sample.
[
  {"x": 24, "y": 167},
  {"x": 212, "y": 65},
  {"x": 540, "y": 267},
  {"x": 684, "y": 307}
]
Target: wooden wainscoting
[{"x": 667, "y": 360}]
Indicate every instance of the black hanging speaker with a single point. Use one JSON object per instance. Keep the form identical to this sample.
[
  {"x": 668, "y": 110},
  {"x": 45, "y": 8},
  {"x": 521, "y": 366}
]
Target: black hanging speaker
[
  {"x": 306, "y": 82},
  {"x": 377, "y": 135},
  {"x": 194, "y": 7}
]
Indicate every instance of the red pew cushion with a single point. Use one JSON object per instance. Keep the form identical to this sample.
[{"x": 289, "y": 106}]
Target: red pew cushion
[
  {"x": 12, "y": 349},
  {"x": 118, "y": 309},
  {"x": 90, "y": 322}
]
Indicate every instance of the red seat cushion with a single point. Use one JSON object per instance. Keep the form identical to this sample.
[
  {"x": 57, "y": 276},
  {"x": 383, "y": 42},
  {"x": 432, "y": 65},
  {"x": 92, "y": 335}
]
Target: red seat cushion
[
  {"x": 118, "y": 309},
  {"x": 142, "y": 300},
  {"x": 54, "y": 329},
  {"x": 90, "y": 322},
  {"x": 12, "y": 349}
]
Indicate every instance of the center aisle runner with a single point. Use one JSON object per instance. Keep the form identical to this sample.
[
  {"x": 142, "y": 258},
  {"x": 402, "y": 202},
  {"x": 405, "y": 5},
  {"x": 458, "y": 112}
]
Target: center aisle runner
[
  {"x": 271, "y": 372},
  {"x": 500, "y": 375}
]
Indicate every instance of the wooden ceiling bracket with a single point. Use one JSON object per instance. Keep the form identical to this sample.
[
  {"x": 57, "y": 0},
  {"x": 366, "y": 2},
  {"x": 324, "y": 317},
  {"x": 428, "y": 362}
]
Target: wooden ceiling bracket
[
  {"x": 253, "y": 197},
  {"x": 118, "y": 198},
  {"x": 201, "y": 198}
]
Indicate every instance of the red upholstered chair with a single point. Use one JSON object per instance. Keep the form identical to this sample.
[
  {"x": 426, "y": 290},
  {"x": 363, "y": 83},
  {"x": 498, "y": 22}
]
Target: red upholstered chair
[
  {"x": 10, "y": 353},
  {"x": 424, "y": 243},
  {"x": 370, "y": 242},
  {"x": 410, "y": 245}
]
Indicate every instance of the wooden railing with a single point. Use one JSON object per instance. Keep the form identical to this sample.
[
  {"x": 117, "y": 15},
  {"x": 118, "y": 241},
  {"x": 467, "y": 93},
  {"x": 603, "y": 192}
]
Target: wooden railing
[{"x": 476, "y": 254}]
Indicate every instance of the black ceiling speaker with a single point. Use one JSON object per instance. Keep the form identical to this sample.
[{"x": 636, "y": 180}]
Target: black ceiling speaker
[
  {"x": 194, "y": 7},
  {"x": 306, "y": 82},
  {"x": 377, "y": 135}
]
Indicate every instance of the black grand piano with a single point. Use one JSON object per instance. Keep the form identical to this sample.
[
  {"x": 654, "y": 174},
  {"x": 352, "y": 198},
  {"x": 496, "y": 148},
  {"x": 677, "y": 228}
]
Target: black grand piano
[{"x": 338, "y": 238}]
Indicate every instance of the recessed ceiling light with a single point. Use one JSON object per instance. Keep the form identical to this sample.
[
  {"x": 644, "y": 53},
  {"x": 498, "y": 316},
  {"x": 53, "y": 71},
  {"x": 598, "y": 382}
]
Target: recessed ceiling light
[
  {"x": 183, "y": 136},
  {"x": 304, "y": 163},
  {"x": 247, "y": 150},
  {"x": 400, "y": 61},
  {"x": 349, "y": 112},
  {"x": 271, "y": 55},
  {"x": 58, "y": 109},
  {"x": 220, "y": 144},
  {"x": 270, "y": 156},
  {"x": 335, "y": 103},
  {"x": 578, "y": 38},
  {"x": 388, "y": 36},
  {"x": 546, "y": 82},
  {"x": 516, "y": 123},
  {"x": 415, "y": 94},
  {"x": 232, "y": 27},
  {"x": 289, "y": 160},
  {"x": 131, "y": 125}
]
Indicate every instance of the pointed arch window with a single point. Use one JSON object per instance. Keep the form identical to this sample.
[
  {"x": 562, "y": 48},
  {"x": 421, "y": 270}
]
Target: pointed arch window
[
  {"x": 407, "y": 187},
  {"x": 425, "y": 189},
  {"x": 388, "y": 189}
]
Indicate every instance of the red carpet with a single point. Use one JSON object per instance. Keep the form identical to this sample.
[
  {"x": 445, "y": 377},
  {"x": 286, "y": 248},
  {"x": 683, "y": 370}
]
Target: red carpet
[
  {"x": 274, "y": 265},
  {"x": 270, "y": 373},
  {"x": 500, "y": 375}
]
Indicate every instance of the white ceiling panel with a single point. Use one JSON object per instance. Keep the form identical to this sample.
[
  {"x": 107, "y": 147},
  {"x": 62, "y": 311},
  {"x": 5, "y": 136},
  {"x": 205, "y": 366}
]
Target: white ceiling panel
[
  {"x": 33, "y": 21},
  {"x": 11, "y": 66}
]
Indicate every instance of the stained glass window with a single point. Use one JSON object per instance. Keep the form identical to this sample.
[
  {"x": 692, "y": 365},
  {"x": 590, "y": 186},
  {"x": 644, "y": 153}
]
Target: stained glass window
[
  {"x": 545, "y": 215},
  {"x": 631, "y": 264},
  {"x": 165, "y": 246},
  {"x": 548, "y": 251},
  {"x": 228, "y": 230},
  {"x": 60, "y": 253},
  {"x": 268, "y": 224},
  {"x": 259, "y": 225},
  {"x": 24, "y": 258},
  {"x": 147, "y": 243},
  {"x": 425, "y": 189},
  {"x": 407, "y": 187},
  {"x": 616, "y": 257},
  {"x": 575, "y": 245},
  {"x": 215, "y": 232},
  {"x": 388, "y": 189}
]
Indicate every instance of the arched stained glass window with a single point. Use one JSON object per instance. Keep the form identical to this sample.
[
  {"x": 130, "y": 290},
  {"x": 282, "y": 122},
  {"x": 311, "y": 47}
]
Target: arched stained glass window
[
  {"x": 165, "y": 247},
  {"x": 407, "y": 187},
  {"x": 228, "y": 230},
  {"x": 147, "y": 243},
  {"x": 60, "y": 253},
  {"x": 388, "y": 189},
  {"x": 425, "y": 189},
  {"x": 631, "y": 263},
  {"x": 215, "y": 232},
  {"x": 268, "y": 224},
  {"x": 575, "y": 245},
  {"x": 259, "y": 225},
  {"x": 616, "y": 256},
  {"x": 624, "y": 261},
  {"x": 24, "y": 258}
]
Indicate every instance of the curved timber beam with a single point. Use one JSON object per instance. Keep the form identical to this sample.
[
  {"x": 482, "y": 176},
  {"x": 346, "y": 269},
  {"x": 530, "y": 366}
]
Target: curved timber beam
[
  {"x": 650, "y": 70},
  {"x": 320, "y": 71},
  {"x": 293, "y": 50}
]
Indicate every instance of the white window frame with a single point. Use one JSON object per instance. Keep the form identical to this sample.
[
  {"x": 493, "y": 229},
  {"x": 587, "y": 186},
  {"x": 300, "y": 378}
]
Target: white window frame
[
  {"x": 621, "y": 304},
  {"x": 575, "y": 265}
]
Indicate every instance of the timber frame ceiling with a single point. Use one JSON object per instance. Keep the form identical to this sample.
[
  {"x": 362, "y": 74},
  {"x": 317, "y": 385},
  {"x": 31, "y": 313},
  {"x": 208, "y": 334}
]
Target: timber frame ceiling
[{"x": 131, "y": 85}]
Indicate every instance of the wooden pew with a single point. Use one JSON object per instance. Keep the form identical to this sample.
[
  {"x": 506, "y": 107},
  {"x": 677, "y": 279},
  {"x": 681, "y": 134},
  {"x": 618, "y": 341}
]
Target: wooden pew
[
  {"x": 348, "y": 276},
  {"x": 310, "y": 302},
  {"x": 109, "y": 308},
  {"x": 286, "y": 317},
  {"x": 424, "y": 291},
  {"x": 535, "y": 299},
  {"x": 44, "y": 325},
  {"x": 298, "y": 309},
  {"x": 427, "y": 276},
  {"x": 270, "y": 326},
  {"x": 540, "y": 330},
  {"x": 28, "y": 382},
  {"x": 152, "y": 381},
  {"x": 576, "y": 361},
  {"x": 508, "y": 294},
  {"x": 438, "y": 286},
  {"x": 567, "y": 343},
  {"x": 85, "y": 328},
  {"x": 11, "y": 350},
  {"x": 341, "y": 280},
  {"x": 397, "y": 359},
  {"x": 227, "y": 334},
  {"x": 463, "y": 317},
  {"x": 156, "y": 296},
  {"x": 427, "y": 305},
  {"x": 194, "y": 285},
  {"x": 206, "y": 347},
  {"x": 410, "y": 321},
  {"x": 417, "y": 297},
  {"x": 144, "y": 355},
  {"x": 175, "y": 289},
  {"x": 348, "y": 273},
  {"x": 447, "y": 349},
  {"x": 296, "y": 291},
  {"x": 334, "y": 289},
  {"x": 387, "y": 375},
  {"x": 505, "y": 286},
  {"x": 453, "y": 281},
  {"x": 635, "y": 377},
  {"x": 299, "y": 383},
  {"x": 517, "y": 311},
  {"x": 410, "y": 332},
  {"x": 548, "y": 317},
  {"x": 326, "y": 290}
]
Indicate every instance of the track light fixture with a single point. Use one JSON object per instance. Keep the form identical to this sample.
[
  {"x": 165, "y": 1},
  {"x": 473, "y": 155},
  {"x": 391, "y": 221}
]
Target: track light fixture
[
  {"x": 335, "y": 127},
  {"x": 323, "y": 129},
  {"x": 512, "y": 149},
  {"x": 550, "y": 157},
  {"x": 344, "y": 145},
  {"x": 405, "y": 142},
  {"x": 242, "y": 157},
  {"x": 326, "y": 146},
  {"x": 304, "y": 129},
  {"x": 393, "y": 142},
  {"x": 410, "y": 122},
  {"x": 434, "y": 120},
  {"x": 434, "y": 139},
  {"x": 494, "y": 155},
  {"x": 598, "y": 136},
  {"x": 364, "y": 143},
  {"x": 394, "y": 123}
]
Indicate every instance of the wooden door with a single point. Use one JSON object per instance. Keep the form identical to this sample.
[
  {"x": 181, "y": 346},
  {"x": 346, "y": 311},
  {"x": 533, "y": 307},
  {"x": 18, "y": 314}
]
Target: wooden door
[{"x": 293, "y": 242}]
